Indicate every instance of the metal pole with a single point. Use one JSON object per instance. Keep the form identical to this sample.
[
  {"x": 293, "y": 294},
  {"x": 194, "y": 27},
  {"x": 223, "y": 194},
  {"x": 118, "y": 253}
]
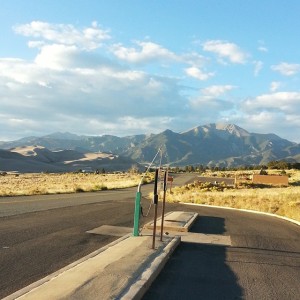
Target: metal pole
[
  {"x": 155, "y": 201},
  {"x": 138, "y": 197},
  {"x": 164, "y": 204},
  {"x": 137, "y": 212}
]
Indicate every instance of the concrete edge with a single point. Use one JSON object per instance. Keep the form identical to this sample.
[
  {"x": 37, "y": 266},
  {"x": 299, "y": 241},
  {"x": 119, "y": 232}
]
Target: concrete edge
[
  {"x": 246, "y": 210},
  {"x": 149, "y": 225},
  {"x": 49, "y": 277},
  {"x": 190, "y": 222},
  {"x": 137, "y": 290},
  {"x": 185, "y": 228}
]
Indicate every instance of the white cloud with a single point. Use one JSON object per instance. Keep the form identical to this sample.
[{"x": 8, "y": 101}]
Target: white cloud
[
  {"x": 210, "y": 105},
  {"x": 263, "y": 49},
  {"x": 286, "y": 102},
  {"x": 217, "y": 90},
  {"x": 75, "y": 90},
  {"x": 35, "y": 44},
  {"x": 19, "y": 71},
  {"x": 87, "y": 38},
  {"x": 198, "y": 73},
  {"x": 76, "y": 84},
  {"x": 257, "y": 67},
  {"x": 194, "y": 59},
  {"x": 227, "y": 50},
  {"x": 286, "y": 68},
  {"x": 270, "y": 122},
  {"x": 208, "y": 110},
  {"x": 275, "y": 85},
  {"x": 58, "y": 57},
  {"x": 146, "y": 52}
]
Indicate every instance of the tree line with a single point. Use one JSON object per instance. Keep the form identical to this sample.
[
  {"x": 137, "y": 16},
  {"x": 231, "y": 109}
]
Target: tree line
[{"x": 278, "y": 165}]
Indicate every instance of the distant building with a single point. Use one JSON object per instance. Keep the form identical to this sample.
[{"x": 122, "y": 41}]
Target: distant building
[
  {"x": 217, "y": 180},
  {"x": 281, "y": 180}
]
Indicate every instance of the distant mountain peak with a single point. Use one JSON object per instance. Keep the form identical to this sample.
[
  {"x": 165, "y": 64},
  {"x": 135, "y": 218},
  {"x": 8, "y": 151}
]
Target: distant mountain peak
[
  {"x": 221, "y": 144},
  {"x": 220, "y": 127},
  {"x": 63, "y": 136},
  {"x": 232, "y": 129}
]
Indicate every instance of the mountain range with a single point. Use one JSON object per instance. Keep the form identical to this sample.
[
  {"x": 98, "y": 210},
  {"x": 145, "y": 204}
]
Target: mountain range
[{"x": 223, "y": 145}]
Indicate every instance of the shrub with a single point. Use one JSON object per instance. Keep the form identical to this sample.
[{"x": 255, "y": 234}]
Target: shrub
[{"x": 79, "y": 190}]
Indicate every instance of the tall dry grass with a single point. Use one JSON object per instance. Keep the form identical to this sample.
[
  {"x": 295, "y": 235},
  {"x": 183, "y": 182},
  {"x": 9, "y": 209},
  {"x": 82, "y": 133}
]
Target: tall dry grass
[
  {"x": 283, "y": 201},
  {"x": 33, "y": 184}
]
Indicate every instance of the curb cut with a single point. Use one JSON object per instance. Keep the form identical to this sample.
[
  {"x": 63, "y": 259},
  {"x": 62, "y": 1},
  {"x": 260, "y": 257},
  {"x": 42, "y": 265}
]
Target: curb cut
[
  {"x": 137, "y": 290},
  {"x": 171, "y": 227},
  {"x": 246, "y": 210}
]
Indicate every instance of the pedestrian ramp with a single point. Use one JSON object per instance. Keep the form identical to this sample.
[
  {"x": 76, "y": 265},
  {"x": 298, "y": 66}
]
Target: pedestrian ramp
[{"x": 179, "y": 223}]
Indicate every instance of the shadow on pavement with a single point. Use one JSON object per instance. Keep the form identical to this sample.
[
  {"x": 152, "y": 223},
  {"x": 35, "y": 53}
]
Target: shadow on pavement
[
  {"x": 209, "y": 225},
  {"x": 197, "y": 271}
]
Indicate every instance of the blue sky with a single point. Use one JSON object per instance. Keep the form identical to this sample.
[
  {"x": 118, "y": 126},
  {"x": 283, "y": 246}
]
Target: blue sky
[{"x": 130, "y": 67}]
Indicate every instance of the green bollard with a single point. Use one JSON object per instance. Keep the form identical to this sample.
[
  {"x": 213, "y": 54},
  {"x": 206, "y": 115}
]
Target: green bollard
[{"x": 137, "y": 212}]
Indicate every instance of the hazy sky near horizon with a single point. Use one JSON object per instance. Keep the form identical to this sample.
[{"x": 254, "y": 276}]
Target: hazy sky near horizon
[{"x": 127, "y": 67}]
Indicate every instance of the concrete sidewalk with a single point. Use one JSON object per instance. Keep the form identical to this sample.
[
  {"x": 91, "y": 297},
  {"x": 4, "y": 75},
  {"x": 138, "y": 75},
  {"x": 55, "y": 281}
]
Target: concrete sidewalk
[
  {"x": 123, "y": 269},
  {"x": 176, "y": 221}
]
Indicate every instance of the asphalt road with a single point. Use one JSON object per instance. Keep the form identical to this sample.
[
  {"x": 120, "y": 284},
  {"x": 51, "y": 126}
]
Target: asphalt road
[
  {"x": 10, "y": 206},
  {"x": 263, "y": 262},
  {"x": 41, "y": 234}
]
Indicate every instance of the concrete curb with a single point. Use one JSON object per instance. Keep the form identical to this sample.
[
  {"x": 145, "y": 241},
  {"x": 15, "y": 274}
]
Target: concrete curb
[
  {"x": 137, "y": 290},
  {"x": 246, "y": 210},
  {"x": 171, "y": 224},
  {"x": 190, "y": 222},
  {"x": 36, "y": 284}
]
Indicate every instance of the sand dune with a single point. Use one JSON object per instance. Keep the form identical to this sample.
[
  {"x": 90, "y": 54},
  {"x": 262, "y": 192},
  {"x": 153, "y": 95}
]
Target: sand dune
[{"x": 33, "y": 159}]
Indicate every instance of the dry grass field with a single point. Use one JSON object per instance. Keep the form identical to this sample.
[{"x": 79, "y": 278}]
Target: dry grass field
[
  {"x": 39, "y": 183},
  {"x": 283, "y": 201}
]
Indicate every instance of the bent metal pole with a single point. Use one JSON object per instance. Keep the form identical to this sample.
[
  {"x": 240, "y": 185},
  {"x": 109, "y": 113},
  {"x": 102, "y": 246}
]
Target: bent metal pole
[
  {"x": 164, "y": 204},
  {"x": 155, "y": 201},
  {"x": 138, "y": 197}
]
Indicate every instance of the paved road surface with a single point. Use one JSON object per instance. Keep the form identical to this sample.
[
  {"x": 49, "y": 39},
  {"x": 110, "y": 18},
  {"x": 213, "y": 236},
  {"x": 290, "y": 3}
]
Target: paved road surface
[
  {"x": 39, "y": 235},
  {"x": 263, "y": 262},
  {"x": 10, "y": 206}
]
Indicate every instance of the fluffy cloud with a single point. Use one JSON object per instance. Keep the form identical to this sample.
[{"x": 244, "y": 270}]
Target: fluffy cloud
[
  {"x": 98, "y": 100},
  {"x": 209, "y": 109},
  {"x": 146, "y": 52},
  {"x": 78, "y": 82},
  {"x": 275, "y": 85},
  {"x": 263, "y": 49},
  {"x": 217, "y": 90},
  {"x": 208, "y": 104},
  {"x": 285, "y": 102},
  {"x": 257, "y": 67},
  {"x": 286, "y": 68},
  {"x": 227, "y": 50},
  {"x": 198, "y": 73},
  {"x": 70, "y": 85},
  {"x": 87, "y": 38},
  {"x": 272, "y": 113},
  {"x": 57, "y": 57}
]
